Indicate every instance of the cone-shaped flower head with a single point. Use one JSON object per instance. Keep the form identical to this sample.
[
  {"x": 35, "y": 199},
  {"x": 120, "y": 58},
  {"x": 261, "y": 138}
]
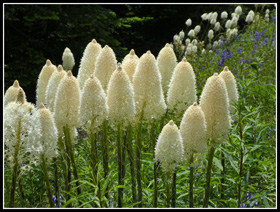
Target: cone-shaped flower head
[
  {"x": 94, "y": 109},
  {"x": 129, "y": 63},
  {"x": 43, "y": 80},
  {"x": 42, "y": 137},
  {"x": 193, "y": 131},
  {"x": 230, "y": 81},
  {"x": 120, "y": 98},
  {"x": 148, "y": 92},
  {"x": 214, "y": 103},
  {"x": 12, "y": 93},
  {"x": 17, "y": 120},
  {"x": 88, "y": 61},
  {"x": 169, "y": 148},
  {"x": 106, "y": 64},
  {"x": 68, "y": 60},
  {"x": 52, "y": 87},
  {"x": 182, "y": 88},
  {"x": 166, "y": 61},
  {"x": 67, "y": 103}
]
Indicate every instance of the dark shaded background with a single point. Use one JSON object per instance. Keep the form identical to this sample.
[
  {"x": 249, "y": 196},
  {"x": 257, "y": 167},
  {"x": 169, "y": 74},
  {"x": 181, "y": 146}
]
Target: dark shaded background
[{"x": 34, "y": 33}]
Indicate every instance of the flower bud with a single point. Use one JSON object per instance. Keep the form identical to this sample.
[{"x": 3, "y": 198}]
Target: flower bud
[
  {"x": 214, "y": 103},
  {"x": 67, "y": 103},
  {"x": 88, "y": 61},
  {"x": 191, "y": 33},
  {"x": 169, "y": 148},
  {"x": 217, "y": 26},
  {"x": 12, "y": 93},
  {"x": 147, "y": 88},
  {"x": 193, "y": 131},
  {"x": 129, "y": 63},
  {"x": 189, "y": 22},
  {"x": 43, "y": 80},
  {"x": 210, "y": 34},
  {"x": 68, "y": 60},
  {"x": 94, "y": 109},
  {"x": 166, "y": 62},
  {"x": 204, "y": 16},
  {"x": 182, "y": 88},
  {"x": 52, "y": 87},
  {"x": 120, "y": 98},
  {"x": 224, "y": 15},
  {"x": 238, "y": 10},
  {"x": 106, "y": 64},
  {"x": 197, "y": 29},
  {"x": 228, "y": 24},
  {"x": 182, "y": 34}
]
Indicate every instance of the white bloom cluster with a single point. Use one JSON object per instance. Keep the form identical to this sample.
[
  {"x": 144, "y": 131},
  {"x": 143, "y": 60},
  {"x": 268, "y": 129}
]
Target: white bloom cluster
[
  {"x": 42, "y": 136},
  {"x": 17, "y": 119},
  {"x": 93, "y": 110},
  {"x": 147, "y": 88},
  {"x": 214, "y": 103},
  {"x": 52, "y": 87},
  {"x": 88, "y": 61},
  {"x": 189, "y": 22},
  {"x": 120, "y": 98},
  {"x": 12, "y": 93},
  {"x": 250, "y": 16},
  {"x": 182, "y": 88},
  {"x": 197, "y": 29},
  {"x": 166, "y": 62},
  {"x": 68, "y": 60},
  {"x": 230, "y": 82},
  {"x": 67, "y": 103},
  {"x": 106, "y": 64},
  {"x": 169, "y": 148},
  {"x": 210, "y": 34},
  {"x": 43, "y": 80},
  {"x": 129, "y": 63},
  {"x": 193, "y": 131},
  {"x": 224, "y": 15}
]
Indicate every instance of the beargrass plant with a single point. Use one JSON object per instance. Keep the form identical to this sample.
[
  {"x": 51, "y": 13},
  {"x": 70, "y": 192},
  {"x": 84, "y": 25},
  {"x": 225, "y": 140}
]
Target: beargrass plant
[{"x": 243, "y": 174}]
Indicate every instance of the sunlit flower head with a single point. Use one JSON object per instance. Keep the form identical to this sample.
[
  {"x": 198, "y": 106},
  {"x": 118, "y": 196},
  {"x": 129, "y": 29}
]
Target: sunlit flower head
[
  {"x": 43, "y": 80},
  {"x": 166, "y": 62},
  {"x": 87, "y": 64},
  {"x": 68, "y": 60},
  {"x": 129, "y": 63},
  {"x": 214, "y": 103},
  {"x": 52, "y": 87},
  {"x": 106, "y": 64},
  {"x": 12, "y": 93},
  {"x": 189, "y": 22},
  {"x": 169, "y": 148}
]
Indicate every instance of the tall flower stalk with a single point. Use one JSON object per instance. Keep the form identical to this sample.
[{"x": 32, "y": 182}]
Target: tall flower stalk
[
  {"x": 193, "y": 132},
  {"x": 169, "y": 151},
  {"x": 214, "y": 103},
  {"x": 120, "y": 101},
  {"x": 149, "y": 103},
  {"x": 12, "y": 93},
  {"x": 17, "y": 118},
  {"x": 66, "y": 115},
  {"x": 42, "y": 143}
]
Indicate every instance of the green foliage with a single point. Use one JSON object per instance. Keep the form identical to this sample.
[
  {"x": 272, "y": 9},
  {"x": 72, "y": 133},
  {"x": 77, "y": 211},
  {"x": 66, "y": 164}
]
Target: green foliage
[{"x": 253, "y": 130}]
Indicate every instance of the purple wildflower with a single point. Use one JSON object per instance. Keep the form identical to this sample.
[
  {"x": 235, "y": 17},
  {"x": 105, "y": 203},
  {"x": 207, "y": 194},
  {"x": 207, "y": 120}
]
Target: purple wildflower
[{"x": 265, "y": 41}]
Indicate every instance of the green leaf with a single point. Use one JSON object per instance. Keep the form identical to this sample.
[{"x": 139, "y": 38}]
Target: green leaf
[{"x": 218, "y": 163}]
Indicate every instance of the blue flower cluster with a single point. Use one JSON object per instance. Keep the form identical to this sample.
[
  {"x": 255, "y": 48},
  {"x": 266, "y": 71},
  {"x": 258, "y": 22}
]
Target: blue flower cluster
[
  {"x": 226, "y": 55},
  {"x": 60, "y": 201},
  {"x": 82, "y": 135}
]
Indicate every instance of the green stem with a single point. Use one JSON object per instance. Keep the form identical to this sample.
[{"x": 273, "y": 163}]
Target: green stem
[
  {"x": 69, "y": 144},
  {"x": 138, "y": 159},
  {"x": 173, "y": 200},
  {"x": 93, "y": 154},
  {"x": 105, "y": 153},
  {"x": 119, "y": 156},
  {"x": 131, "y": 160},
  {"x": 56, "y": 181},
  {"x": 67, "y": 171},
  {"x": 191, "y": 181},
  {"x": 241, "y": 159},
  {"x": 21, "y": 192},
  {"x": 46, "y": 175},
  {"x": 153, "y": 142},
  {"x": 123, "y": 161},
  {"x": 167, "y": 189},
  {"x": 15, "y": 166},
  {"x": 208, "y": 177},
  {"x": 223, "y": 173}
]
